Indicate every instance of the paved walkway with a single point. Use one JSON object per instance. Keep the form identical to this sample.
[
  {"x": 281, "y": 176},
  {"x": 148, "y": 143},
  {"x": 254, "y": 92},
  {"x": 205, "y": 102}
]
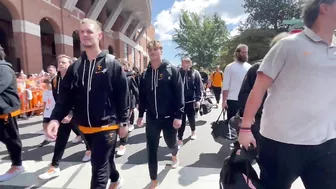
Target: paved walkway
[{"x": 200, "y": 161}]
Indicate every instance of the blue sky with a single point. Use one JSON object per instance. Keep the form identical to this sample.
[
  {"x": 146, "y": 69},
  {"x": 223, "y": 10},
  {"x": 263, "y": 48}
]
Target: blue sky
[{"x": 165, "y": 15}]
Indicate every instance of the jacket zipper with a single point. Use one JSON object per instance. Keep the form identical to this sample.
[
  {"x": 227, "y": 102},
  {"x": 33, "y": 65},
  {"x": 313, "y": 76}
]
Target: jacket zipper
[
  {"x": 155, "y": 100},
  {"x": 88, "y": 96}
]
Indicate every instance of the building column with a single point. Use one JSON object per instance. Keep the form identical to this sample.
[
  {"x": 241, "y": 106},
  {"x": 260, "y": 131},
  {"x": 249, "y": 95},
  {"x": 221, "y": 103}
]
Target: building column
[
  {"x": 27, "y": 37},
  {"x": 96, "y": 9},
  {"x": 70, "y": 4},
  {"x": 64, "y": 44},
  {"x": 126, "y": 23},
  {"x": 134, "y": 31},
  {"x": 143, "y": 30},
  {"x": 113, "y": 16}
]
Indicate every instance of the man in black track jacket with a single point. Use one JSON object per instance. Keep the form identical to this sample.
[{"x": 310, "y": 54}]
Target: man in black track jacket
[
  {"x": 162, "y": 97},
  {"x": 9, "y": 110},
  {"x": 67, "y": 124},
  {"x": 95, "y": 86},
  {"x": 192, "y": 96}
]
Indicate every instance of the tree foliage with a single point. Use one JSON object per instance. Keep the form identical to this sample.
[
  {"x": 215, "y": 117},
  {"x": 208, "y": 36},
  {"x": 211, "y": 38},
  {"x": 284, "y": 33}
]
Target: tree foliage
[
  {"x": 270, "y": 13},
  {"x": 258, "y": 41},
  {"x": 201, "y": 38}
]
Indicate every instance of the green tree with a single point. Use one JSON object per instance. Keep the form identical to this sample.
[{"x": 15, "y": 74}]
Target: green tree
[
  {"x": 201, "y": 38},
  {"x": 270, "y": 13},
  {"x": 258, "y": 41}
]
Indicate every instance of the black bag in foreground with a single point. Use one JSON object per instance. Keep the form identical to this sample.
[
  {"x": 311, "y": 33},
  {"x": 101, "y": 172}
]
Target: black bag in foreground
[
  {"x": 222, "y": 131},
  {"x": 237, "y": 171}
]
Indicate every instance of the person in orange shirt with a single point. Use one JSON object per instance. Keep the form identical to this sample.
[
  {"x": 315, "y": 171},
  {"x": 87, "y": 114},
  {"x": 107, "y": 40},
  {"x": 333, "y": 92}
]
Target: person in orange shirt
[{"x": 217, "y": 83}]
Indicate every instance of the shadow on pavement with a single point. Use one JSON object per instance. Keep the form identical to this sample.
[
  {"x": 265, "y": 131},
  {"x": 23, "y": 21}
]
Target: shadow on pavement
[
  {"x": 30, "y": 179},
  {"x": 30, "y": 123},
  {"x": 206, "y": 160},
  {"x": 137, "y": 139},
  {"x": 200, "y": 123},
  {"x": 141, "y": 157},
  {"x": 76, "y": 157},
  {"x": 29, "y": 136},
  {"x": 161, "y": 176},
  {"x": 36, "y": 153}
]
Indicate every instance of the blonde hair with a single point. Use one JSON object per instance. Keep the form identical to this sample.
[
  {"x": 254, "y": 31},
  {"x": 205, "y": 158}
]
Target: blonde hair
[
  {"x": 186, "y": 58},
  {"x": 278, "y": 38},
  {"x": 90, "y": 21},
  {"x": 154, "y": 44},
  {"x": 65, "y": 56}
]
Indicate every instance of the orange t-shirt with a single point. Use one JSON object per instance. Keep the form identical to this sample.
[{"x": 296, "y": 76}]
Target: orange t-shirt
[{"x": 217, "y": 79}]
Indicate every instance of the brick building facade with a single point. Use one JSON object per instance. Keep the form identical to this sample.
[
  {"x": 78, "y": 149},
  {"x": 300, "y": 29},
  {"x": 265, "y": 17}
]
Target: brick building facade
[{"x": 33, "y": 34}]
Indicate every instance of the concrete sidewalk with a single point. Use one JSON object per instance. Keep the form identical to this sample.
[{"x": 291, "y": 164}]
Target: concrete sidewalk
[{"x": 77, "y": 176}]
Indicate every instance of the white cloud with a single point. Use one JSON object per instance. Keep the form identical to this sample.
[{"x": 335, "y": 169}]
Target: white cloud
[
  {"x": 167, "y": 20},
  {"x": 234, "y": 32}
]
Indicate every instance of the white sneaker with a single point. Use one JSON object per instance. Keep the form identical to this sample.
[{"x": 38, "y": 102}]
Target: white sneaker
[
  {"x": 179, "y": 144},
  {"x": 52, "y": 172},
  {"x": 118, "y": 184},
  {"x": 87, "y": 156},
  {"x": 130, "y": 128},
  {"x": 176, "y": 163},
  {"x": 193, "y": 136},
  {"x": 11, "y": 173},
  {"x": 161, "y": 134},
  {"x": 121, "y": 151},
  {"x": 76, "y": 140}
]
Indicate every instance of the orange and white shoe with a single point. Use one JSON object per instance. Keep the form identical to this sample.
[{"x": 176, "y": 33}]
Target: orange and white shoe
[
  {"x": 175, "y": 162},
  {"x": 52, "y": 172},
  {"x": 87, "y": 156},
  {"x": 154, "y": 184},
  {"x": 118, "y": 184}
]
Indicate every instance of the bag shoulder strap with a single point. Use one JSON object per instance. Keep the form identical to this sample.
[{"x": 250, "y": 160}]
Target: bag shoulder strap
[
  {"x": 109, "y": 65},
  {"x": 169, "y": 69},
  {"x": 76, "y": 65}
]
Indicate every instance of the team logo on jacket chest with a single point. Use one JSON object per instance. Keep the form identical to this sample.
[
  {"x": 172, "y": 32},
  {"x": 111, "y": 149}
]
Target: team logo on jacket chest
[
  {"x": 99, "y": 68},
  {"x": 160, "y": 76}
]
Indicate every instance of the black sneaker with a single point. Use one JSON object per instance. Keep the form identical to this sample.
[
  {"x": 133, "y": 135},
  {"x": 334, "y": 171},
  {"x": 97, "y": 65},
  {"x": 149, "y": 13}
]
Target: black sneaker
[{"x": 45, "y": 142}]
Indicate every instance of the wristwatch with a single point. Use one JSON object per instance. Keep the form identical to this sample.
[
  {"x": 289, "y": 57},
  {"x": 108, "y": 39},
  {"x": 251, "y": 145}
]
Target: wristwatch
[{"x": 123, "y": 124}]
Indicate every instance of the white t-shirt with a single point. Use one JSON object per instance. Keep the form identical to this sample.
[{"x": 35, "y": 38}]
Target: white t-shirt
[
  {"x": 48, "y": 99},
  {"x": 300, "y": 107},
  {"x": 234, "y": 75}
]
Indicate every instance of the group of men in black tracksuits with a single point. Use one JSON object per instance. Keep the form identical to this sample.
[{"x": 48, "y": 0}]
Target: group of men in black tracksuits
[{"x": 95, "y": 91}]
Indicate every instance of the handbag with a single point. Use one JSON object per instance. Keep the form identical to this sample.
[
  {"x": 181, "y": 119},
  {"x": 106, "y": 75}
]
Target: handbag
[
  {"x": 237, "y": 171},
  {"x": 222, "y": 131}
]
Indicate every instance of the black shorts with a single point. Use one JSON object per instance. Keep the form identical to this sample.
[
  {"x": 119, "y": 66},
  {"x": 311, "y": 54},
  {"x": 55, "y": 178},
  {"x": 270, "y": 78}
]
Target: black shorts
[{"x": 46, "y": 120}]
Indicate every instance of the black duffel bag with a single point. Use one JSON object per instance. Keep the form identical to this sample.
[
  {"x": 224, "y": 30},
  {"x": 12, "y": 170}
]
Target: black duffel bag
[
  {"x": 222, "y": 131},
  {"x": 237, "y": 171}
]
